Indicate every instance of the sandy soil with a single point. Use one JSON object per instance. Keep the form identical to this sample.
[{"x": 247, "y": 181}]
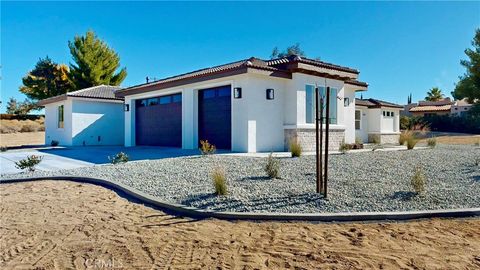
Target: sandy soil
[
  {"x": 60, "y": 225},
  {"x": 22, "y": 138},
  {"x": 456, "y": 139}
]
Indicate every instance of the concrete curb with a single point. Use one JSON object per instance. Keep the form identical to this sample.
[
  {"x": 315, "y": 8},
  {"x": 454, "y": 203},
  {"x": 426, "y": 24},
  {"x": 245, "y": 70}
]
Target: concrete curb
[{"x": 198, "y": 213}]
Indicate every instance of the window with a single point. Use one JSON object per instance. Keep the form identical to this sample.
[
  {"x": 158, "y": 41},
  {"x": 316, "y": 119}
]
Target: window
[
  {"x": 388, "y": 114},
  {"x": 60, "y": 116},
  {"x": 177, "y": 98},
  {"x": 152, "y": 101},
  {"x": 358, "y": 119},
  {"x": 310, "y": 104},
  {"x": 165, "y": 100}
]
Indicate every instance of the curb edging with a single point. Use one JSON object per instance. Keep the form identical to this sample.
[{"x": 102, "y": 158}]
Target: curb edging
[{"x": 198, "y": 213}]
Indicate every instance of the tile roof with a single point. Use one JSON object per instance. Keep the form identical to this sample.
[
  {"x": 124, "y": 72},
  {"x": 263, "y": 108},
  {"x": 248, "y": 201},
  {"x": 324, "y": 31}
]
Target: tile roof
[
  {"x": 431, "y": 108},
  {"x": 376, "y": 103},
  {"x": 279, "y": 65},
  {"x": 105, "y": 92}
]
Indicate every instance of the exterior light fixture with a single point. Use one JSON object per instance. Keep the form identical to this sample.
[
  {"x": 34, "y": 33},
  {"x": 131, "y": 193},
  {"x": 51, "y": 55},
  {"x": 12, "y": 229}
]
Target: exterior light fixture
[
  {"x": 237, "y": 92},
  {"x": 270, "y": 94},
  {"x": 126, "y": 107},
  {"x": 346, "y": 102}
]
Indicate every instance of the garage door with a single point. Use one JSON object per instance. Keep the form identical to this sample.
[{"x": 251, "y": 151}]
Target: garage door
[
  {"x": 159, "y": 121},
  {"x": 214, "y": 116}
]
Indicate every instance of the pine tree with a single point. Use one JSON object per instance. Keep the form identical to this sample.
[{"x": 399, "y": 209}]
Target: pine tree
[
  {"x": 46, "y": 80},
  {"x": 94, "y": 62}
]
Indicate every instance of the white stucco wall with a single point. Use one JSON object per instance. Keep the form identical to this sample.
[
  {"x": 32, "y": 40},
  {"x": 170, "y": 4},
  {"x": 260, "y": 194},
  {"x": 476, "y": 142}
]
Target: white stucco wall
[
  {"x": 257, "y": 123},
  {"x": 52, "y": 132},
  {"x": 97, "y": 122},
  {"x": 362, "y": 133}
]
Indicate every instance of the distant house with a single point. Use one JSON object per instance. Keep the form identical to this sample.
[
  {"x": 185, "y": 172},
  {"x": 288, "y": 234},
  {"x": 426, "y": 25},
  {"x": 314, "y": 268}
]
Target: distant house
[
  {"x": 91, "y": 116},
  {"x": 377, "y": 120},
  {"x": 442, "y": 107}
]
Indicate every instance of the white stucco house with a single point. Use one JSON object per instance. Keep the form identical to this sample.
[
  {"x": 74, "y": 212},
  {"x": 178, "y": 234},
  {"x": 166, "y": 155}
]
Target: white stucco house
[
  {"x": 377, "y": 121},
  {"x": 251, "y": 105},
  {"x": 91, "y": 116}
]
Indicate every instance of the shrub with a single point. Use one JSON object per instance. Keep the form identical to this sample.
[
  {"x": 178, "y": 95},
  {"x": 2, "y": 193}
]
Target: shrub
[
  {"x": 411, "y": 142},
  {"x": 404, "y": 136},
  {"x": 54, "y": 143},
  {"x": 219, "y": 181},
  {"x": 272, "y": 167},
  {"x": 3, "y": 149},
  {"x": 29, "y": 163},
  {"x": 344, "y": 147},
  {"x": 206, "y": 148},
  {"x": 9, "y": 126},
  {"x": 358, "y": 140},
  {"x": 432, "y": 142},
  {"x": 295, "y": 148},
  {"x": 376, "y": 140},
  {"x": 29, "y": 126},
  {"x": 418, "y": 180},
  {"x": 477, "y": 143},
  {"x": 119, "y": 158}
]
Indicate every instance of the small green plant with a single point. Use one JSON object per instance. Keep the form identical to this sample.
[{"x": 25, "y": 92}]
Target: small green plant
[
  {"x": 411, "y": 142},
  {"x": 219, "y": 181},
  {"x": 295, "y": 148},
  {"x": 54, "y": 143},
  {"x": 376, "y": 140},
  {"x": 3, "y": 149},
  {"x": 418, "y": 180},
  {"x": 206, "y": 148},
  {"x": 272, "y": 167},
  {"x": 358, "y": 140},
  {"x": 119, "y": 158},
  {"x": 344, "y": 147},
  {"x": 29, "y": 163},
  {"x": 432, "y": 142}
]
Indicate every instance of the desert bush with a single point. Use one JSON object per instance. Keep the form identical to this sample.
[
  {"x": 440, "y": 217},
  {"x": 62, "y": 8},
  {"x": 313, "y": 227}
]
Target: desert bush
[
  {"x": 376, "y": 140},
  {"x": 432, "y": 142},
  {"x": 54, "y": 143},
  {"x": 219, "y": 181},
  {"x": 28, "y": 163},
  {"x": 207, "y": 148},
  {"x": 344, "y": 147},
  {"x": 29, "y": 126},
  {"x": 411, "y": 142},
  {"x": 295, "y": 148},
  {"x": 404, "y": 135},
  {"x": 3, "y": 149},
  {"x": 119, "y": 158},
  {"x": 9, "y": 126},
  {"x": 477, "y": 143},
  {"x": 418, "y": 180},
  {"x": 272, "y": 167}
]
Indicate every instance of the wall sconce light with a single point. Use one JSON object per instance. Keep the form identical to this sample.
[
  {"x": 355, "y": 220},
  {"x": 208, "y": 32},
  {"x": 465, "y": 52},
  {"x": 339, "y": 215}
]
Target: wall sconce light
[
  {"x": 237, "y": 92},
  {"x": 346, "y": 102},
  {"x": 126, "y": 107},
  {"x": 270, "y": 94}
]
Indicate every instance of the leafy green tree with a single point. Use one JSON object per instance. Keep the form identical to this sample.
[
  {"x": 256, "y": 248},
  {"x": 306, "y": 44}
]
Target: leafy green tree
[
  {"x": 46, "y": 80},
  {"x": 291, "y": 50},
  {"x": 435, "y": 94},
  {"x": 469, "y": 84},
  {"x": 94, "y": 62},
  {"x": 21, "y": 108}
]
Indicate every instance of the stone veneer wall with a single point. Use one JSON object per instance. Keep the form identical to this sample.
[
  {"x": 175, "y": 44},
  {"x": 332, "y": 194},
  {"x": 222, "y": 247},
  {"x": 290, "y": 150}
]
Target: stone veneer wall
[
  {"x": 383, "y": 138},
  {"x": 306, "y": 138}
]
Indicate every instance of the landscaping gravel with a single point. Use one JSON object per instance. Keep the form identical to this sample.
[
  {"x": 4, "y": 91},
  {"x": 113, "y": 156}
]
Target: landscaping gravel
[{"x": 358, "y": 182}]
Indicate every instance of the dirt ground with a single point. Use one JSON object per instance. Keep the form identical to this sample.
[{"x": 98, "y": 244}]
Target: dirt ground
[
  {"x": 22, "y": 138},
  {"x": 456, "y": 139},
  {"x": 66, "y": 225}
]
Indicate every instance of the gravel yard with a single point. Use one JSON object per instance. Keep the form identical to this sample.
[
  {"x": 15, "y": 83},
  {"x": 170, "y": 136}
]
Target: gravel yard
[{"x": 369, "y": 181}]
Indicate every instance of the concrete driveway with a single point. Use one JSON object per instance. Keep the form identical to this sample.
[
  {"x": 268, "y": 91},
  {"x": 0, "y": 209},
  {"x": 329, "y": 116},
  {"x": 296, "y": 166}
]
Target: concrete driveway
[{"x": 82, "y": 156}]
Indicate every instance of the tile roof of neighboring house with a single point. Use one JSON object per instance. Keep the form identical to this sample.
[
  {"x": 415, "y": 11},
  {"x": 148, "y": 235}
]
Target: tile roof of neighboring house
[
  {"x": 445, "y": 101},
  {"x": 431, "y": 108},
  {"x": 105, "y": 92},
  {"x": 279, "y": 67},
  {"x": 376, "y": 103}
]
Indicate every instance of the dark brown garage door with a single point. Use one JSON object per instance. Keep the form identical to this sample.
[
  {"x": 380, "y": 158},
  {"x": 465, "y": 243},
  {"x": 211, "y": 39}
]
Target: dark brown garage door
[
  {"x": 214, "y": 116},
  {"x": 159, "y": 121}
]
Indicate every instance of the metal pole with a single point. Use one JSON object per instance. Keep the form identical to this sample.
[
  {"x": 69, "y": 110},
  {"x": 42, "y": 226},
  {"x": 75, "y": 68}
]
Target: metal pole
[
  {"x": 321, "y": 142},
  {"x": 318, "y": 154},
  {"x": 327, "y": 129}
]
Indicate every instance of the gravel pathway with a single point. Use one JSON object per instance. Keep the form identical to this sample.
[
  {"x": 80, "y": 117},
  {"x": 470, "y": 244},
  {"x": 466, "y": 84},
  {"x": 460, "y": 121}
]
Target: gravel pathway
[{"x": 369, "y": 181}]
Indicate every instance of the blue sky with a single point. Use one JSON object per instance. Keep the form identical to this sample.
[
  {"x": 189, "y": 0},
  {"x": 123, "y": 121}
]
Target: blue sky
[{"x": 399, "y": 48}]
